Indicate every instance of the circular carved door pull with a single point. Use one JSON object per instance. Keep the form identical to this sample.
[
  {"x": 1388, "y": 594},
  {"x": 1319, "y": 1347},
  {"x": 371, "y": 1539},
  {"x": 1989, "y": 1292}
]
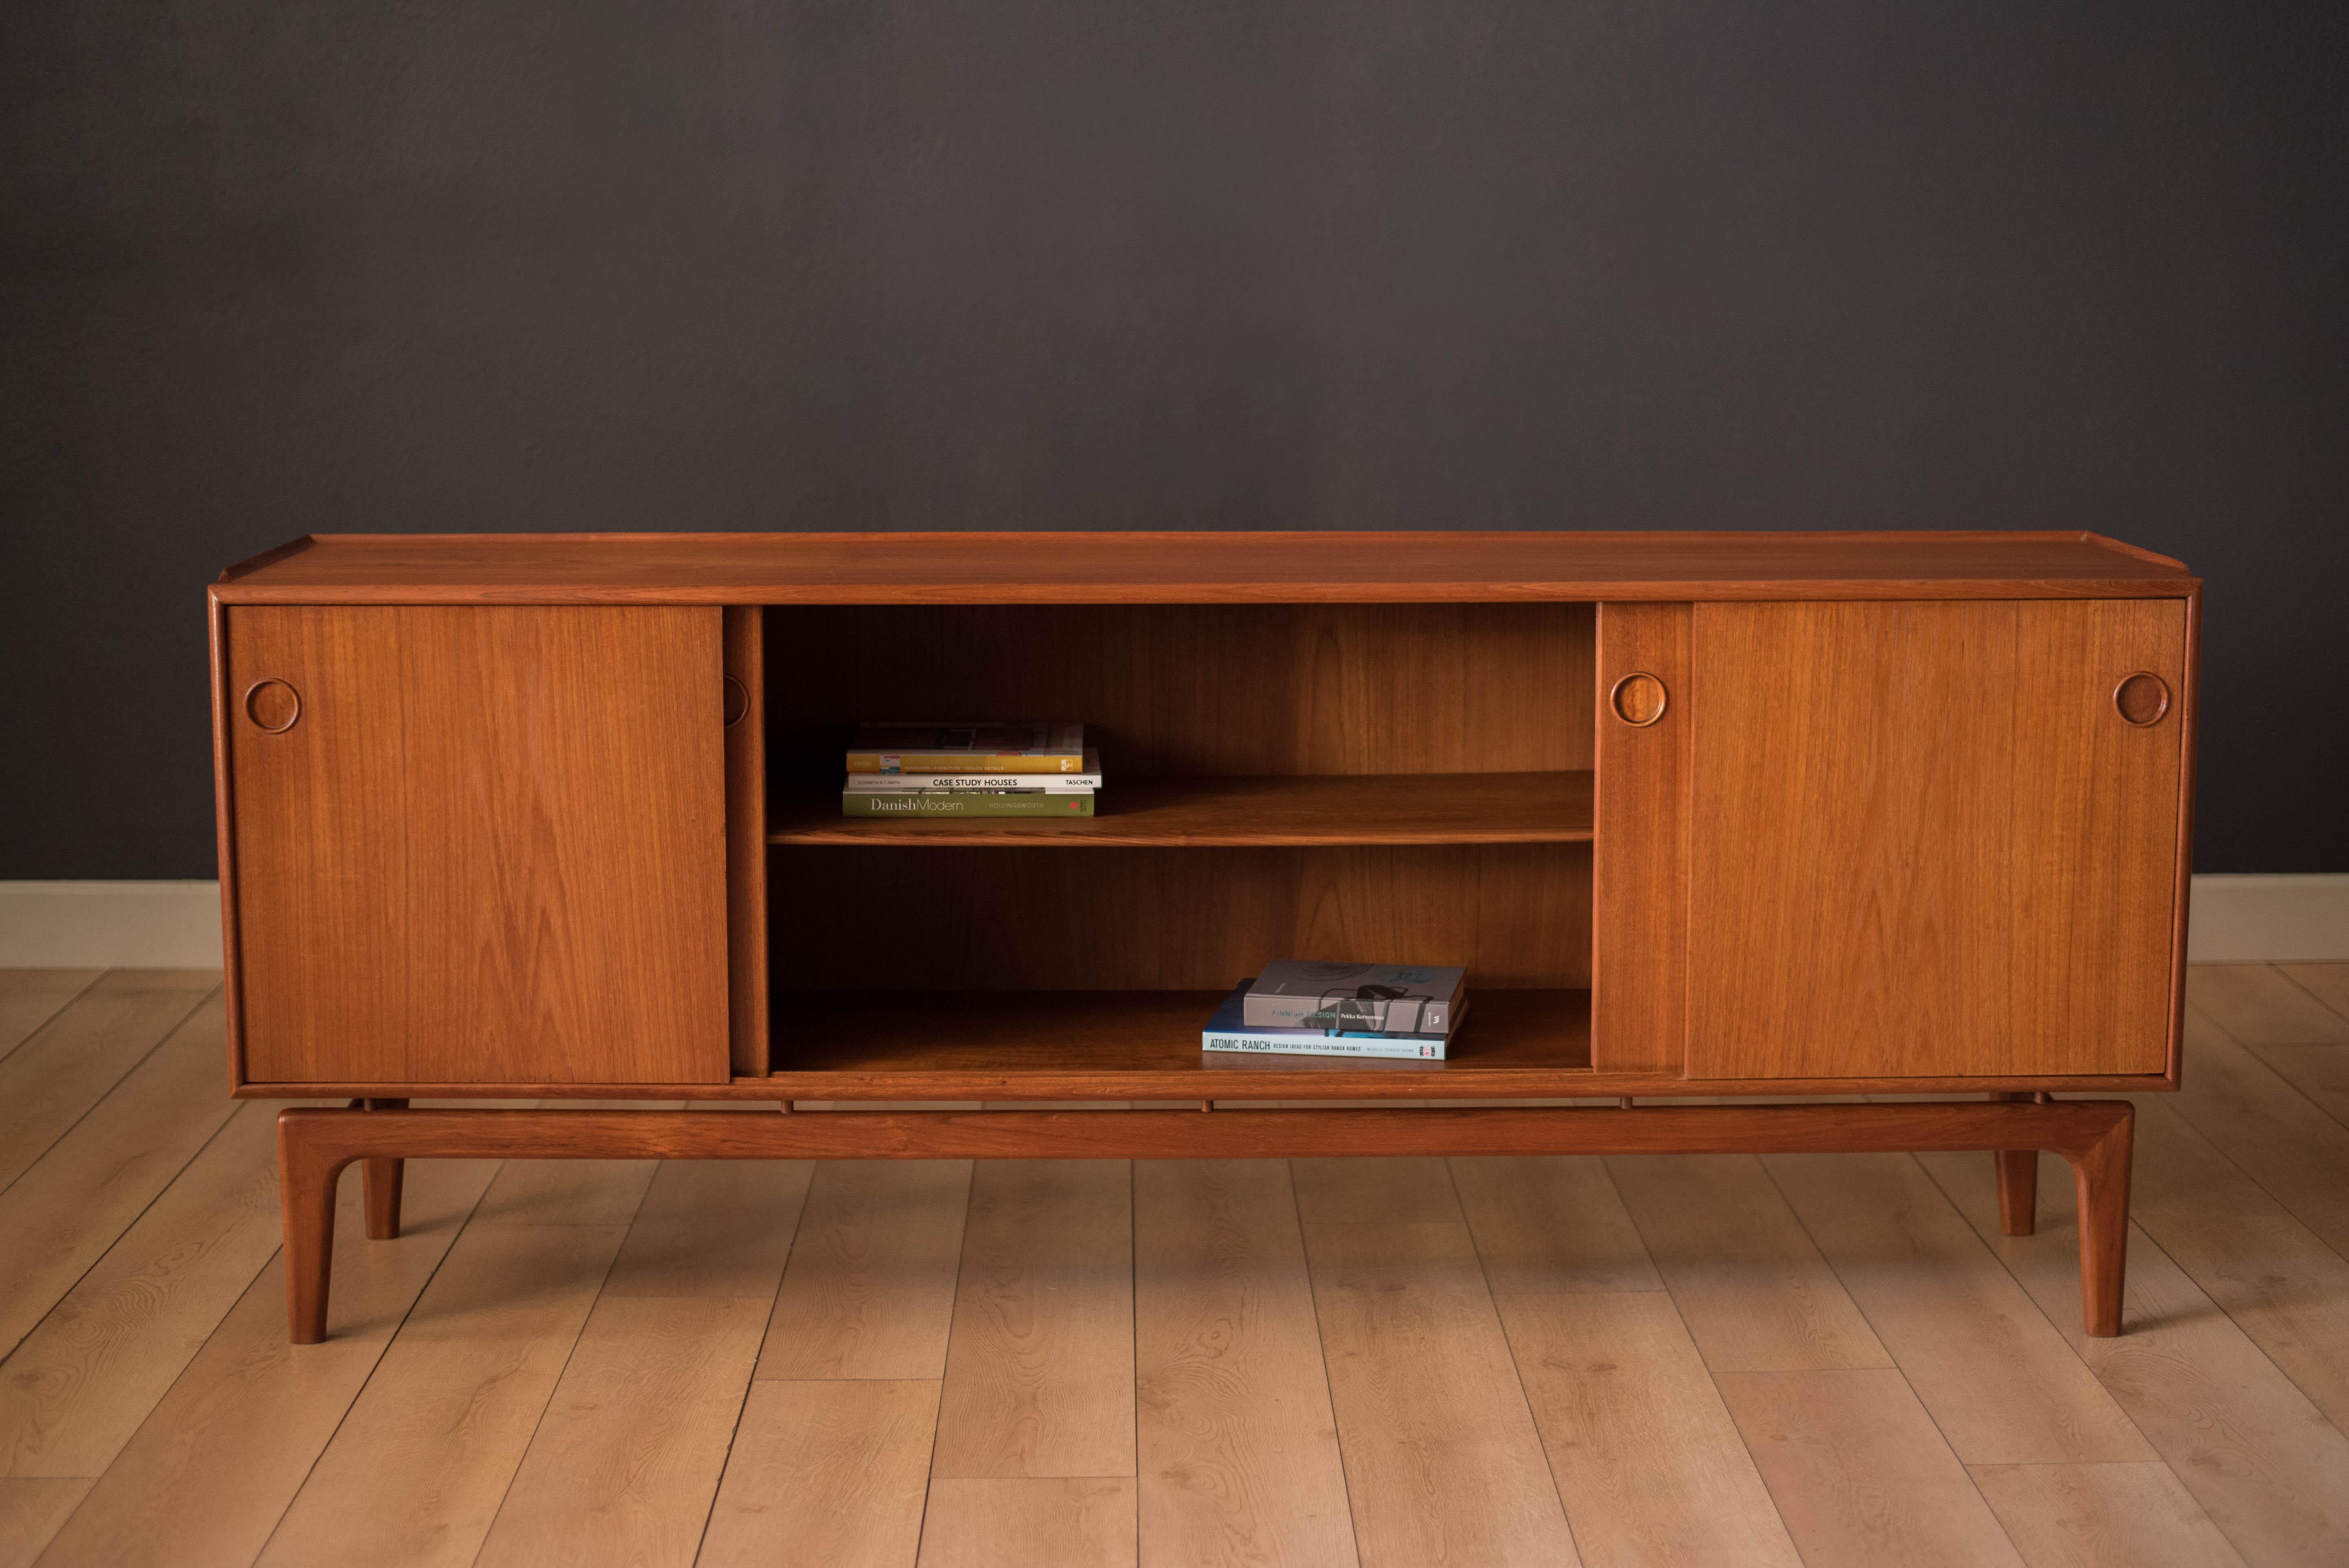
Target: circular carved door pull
[
  {"x": 1639, "y": 699},
  {"x": 272, "y": 705},
  {"x": 738, "y": 702},
  {"x": 2142, "y": 698}
]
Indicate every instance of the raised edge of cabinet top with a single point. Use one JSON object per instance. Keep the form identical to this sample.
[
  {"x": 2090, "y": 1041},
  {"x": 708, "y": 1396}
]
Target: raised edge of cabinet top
[{"x": 1191, "y": 568}]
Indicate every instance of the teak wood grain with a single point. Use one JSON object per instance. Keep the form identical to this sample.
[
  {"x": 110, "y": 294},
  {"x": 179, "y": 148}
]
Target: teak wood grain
[
  {"x": 1640, "y": 893},
  {"x": 1223, "y": 812},
  {"x": 1126, "y": 1045},
  {"x": 744, "y": 714},
  {"x": 1203, "y": 689},
  {"x": 491, "y": 845},
  {"x": 1826, "y": 813},
  {"x": 1924, "y": 841},
  {"x": 1192, "y": 567},
  {"x": 1045, "y": 919}
]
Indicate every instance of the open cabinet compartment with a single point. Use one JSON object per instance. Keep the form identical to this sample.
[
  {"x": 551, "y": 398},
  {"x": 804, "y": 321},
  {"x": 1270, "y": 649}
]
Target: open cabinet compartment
[{"x": 1397, "y": 782}]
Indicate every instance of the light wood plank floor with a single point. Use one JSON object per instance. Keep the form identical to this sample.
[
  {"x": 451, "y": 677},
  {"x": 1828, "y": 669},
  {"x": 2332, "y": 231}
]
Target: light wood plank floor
[{"x": 1677, "y": 1362}]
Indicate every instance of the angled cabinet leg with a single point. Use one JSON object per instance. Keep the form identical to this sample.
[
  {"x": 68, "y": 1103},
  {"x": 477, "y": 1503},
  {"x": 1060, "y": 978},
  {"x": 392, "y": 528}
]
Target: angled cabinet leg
[
  {"x": 379, "y": 1185},
  {"x": 2102, "y": 1173},
  {"x": 307, "y": 1167},
  {"x": 314, "y": 1145}
]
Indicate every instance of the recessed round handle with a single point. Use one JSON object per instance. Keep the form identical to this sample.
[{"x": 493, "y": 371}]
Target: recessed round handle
[
  {"x": 2142, "y": 698},
  {"x": 1639, "y": 699},
  {"x": 738, "y": 702},
  {"x": 272, "y": 705}
]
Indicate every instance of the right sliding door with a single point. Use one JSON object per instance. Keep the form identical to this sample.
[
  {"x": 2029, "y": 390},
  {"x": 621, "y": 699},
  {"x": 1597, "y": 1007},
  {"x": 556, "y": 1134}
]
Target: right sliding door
[{"x": 1933, "y": 837}]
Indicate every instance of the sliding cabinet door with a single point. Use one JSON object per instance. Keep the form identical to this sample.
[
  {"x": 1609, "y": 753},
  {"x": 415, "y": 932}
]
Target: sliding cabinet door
[
  {"x": 1933, "y": 837},
  {"x": 477, "y": 844}
]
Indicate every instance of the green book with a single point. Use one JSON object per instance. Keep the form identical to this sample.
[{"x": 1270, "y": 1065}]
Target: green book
[{"x": 918, "y": 803}]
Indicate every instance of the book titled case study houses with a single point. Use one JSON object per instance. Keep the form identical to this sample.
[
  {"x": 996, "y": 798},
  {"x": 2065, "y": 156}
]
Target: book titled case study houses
[{"x": 1695, "y": 817}]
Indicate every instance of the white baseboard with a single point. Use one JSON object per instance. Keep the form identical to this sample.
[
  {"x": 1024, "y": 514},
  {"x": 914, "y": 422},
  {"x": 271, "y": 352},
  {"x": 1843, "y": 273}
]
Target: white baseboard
[
  {"x": 176, "y": 925},
  {"x": 2278, "y": 918},
  {"x": 106, "y": 924}
]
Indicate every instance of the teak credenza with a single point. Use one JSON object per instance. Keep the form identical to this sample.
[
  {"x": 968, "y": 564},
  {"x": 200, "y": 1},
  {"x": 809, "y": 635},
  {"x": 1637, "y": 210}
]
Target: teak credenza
[{"x": 1705, "y": 815}]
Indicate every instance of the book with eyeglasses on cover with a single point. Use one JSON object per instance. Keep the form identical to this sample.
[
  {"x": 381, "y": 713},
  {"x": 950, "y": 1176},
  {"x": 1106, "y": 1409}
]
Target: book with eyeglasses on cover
[
  {"x": 1333, "y": 1031},
  {"x": 1375, "y": 998}
]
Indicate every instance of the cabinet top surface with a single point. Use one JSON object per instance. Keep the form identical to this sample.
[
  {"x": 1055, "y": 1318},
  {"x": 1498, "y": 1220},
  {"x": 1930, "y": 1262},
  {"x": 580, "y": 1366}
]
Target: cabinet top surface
[{"x": 1143, "y": 568}]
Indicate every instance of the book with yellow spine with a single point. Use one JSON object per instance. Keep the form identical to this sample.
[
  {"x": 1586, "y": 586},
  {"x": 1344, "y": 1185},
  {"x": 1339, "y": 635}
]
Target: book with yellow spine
[{"x": 986, "y": 747}]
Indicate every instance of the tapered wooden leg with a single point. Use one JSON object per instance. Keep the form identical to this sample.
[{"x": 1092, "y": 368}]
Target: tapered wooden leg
[
  {"x": 379, "y": 1185},
  {"x": 2102, "y": 1173},
  {"x": 2018, "y": 1182},
  {"x": 2018, "y": 1190},
  {"x": 306, "y": 1173}
]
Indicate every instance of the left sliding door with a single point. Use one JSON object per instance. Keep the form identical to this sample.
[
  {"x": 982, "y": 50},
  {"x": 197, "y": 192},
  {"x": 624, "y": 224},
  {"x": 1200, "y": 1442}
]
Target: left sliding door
[{"x": 477, "y": 845}]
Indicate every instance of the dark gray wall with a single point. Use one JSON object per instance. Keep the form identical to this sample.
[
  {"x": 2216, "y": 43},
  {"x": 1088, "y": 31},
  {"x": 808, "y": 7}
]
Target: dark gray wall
[{"x": 270, "y": 268}]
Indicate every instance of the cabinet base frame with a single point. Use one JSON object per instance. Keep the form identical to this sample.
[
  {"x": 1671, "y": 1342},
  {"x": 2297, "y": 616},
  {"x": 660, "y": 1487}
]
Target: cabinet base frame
[{"x": 314, "y": 1145}]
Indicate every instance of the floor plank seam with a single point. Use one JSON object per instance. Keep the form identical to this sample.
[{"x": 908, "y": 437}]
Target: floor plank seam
[
  {"x": 2295, "y": 981},
  {"x": 357, "y": 1393},
  {"x": 1972, "y": 1482},
  {"x": 2250, "y": 1338},
  {"x": 55, "y": 1012},
  {"x": 1321, "y": 1348},
  {"x": 2287, "y": 1086},
  {"x": 2285, "y": 1209},
  {"x": 1711, "y": 1375},
  {"x": 555, "y": 1383},
  {"x": 734, "y": 1432},
  {"x": 2339, "y": 1118},
  {"x": 65, "y": 1131},
  {"x": 99, "y": 1261},
  {"x": 1492, "y": 1299},
  {"x": 929, "y": 1471},
  {"x": 2140, "y": 1237}
]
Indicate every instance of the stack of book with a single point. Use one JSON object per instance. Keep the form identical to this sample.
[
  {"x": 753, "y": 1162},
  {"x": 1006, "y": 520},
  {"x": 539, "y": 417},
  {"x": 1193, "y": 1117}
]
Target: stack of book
[
  {"x": 1302, "y": 1008},
  {"x": 991, "y": 769}
]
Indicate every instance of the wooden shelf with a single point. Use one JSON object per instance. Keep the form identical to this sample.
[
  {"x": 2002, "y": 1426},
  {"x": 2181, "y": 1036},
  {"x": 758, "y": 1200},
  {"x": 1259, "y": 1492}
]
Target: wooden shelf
[
  {"x": 1316, "y": 808},
  {"x": 1143, "y": 1045}
]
